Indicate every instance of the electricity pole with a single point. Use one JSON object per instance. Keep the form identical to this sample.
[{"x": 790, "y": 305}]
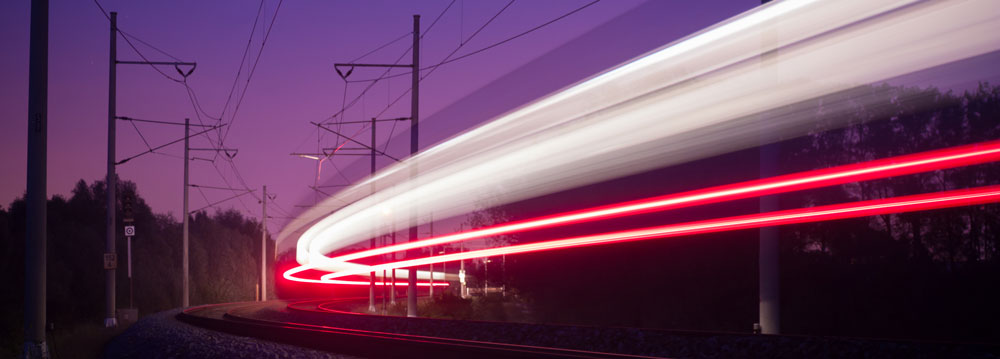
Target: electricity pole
[
  {"x": 185, "y": 291},
  {"x": 769, "y": 283},
  {"x": 185, "y": 263},
  {"x": 431, "y": 234},
  {"x": 411, "y": 288},
  {"x": 371, "y": 283},
  {"x": 263, "y": 248},
  {"x": 392, "y": 289},
  {"x": 35, "y": 198},
  {"x": 372, "y": 152},
  {"x": 111, "y": 182},
  {"x": 411, "y": 291}
]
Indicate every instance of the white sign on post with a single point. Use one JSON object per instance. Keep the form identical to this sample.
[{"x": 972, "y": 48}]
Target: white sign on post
[{"x": 129, "y": 231}]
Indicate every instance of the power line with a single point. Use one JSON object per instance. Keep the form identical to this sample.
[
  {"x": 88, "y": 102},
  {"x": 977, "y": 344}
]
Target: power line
[
  {"x": 141, "y": 136},
  {"x": 460, "y": 45},
  {"x": 246, "y": 50},
  {"x": 220, "y": 201},
  {"x": 386, "y": 72},
  {"x": 480, "y": 50},
  {"x": 193, "y": 97},
  {"x": 191, "y": 94},
  {"x": 382, "y": 47},
  {"x": 253, "y": 69},
  {"x": 216, "y": 187},
  {"x": 424, "y": 33},
  {"x": 150, "y": 46},
  {"x": 519, "y": 35}
]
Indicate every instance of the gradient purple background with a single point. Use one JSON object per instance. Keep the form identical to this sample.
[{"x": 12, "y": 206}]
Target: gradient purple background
[{"x": 295, "y": 83}]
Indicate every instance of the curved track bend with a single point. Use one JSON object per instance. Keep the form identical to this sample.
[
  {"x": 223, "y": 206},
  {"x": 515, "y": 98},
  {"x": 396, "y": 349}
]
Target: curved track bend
[{"x": 286, "y": 322}]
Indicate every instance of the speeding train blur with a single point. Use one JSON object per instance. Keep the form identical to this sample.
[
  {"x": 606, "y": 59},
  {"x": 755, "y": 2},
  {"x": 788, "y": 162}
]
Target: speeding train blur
[{"x": 738, "y": 84}]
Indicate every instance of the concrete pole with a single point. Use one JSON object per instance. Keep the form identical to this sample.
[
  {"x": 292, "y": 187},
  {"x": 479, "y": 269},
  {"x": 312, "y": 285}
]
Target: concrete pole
[
  {"x": 769, "y": 283},
  {"x": 411, "y": 288},
  {"x": 263, "y": 248},
  {"x": 185, "y": 289},
  {"x": 392, "y": 284},
  {"x": 35, "y": 199},
  {"x": 111, "y": 182},
  {"x": 384, "y": 311},
  {"x": 432, "y": 254},
  {"x": 371, "y": 277}
]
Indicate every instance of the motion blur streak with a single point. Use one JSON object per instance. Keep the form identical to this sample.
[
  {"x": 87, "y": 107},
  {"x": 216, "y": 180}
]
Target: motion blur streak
[
  {"x": 710, "y": 93},
  {"x": 920, "y": 202},
  {"x": 895, "y": 166}
]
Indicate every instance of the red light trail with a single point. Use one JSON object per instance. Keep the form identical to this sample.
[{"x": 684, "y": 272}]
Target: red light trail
[
  {"x": 895, "y": 166},
  {"x": 919, "y": 202},
  {"x": 889, "y": 167}
]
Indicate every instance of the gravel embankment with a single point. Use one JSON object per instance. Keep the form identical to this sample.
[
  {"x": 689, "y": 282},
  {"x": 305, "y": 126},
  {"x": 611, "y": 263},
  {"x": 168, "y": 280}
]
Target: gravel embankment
[
  {"x": 162, "y": 336},
  {"x": 647, "y": 342}
]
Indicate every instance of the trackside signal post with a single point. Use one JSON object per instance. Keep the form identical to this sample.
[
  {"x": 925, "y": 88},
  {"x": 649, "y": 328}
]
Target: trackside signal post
[
  {"x": 129, "y": 229},
  {"x": 411, "y": 290}
]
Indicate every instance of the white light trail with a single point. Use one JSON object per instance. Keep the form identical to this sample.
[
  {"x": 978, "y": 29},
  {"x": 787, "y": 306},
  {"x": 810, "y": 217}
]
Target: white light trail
[{"x": 735, "y": 85}]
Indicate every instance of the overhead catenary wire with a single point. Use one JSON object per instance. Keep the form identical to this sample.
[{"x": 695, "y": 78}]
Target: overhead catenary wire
[
  {"x": 253, "y": 70},
  {"x": 387, "y": 44},
  {"x": 387, "y": 70},
  {"x": 345, "y": 106},
  {"x": 192, "y": 96},
  {"x": 141, "y": 136},
  {"x": 217, "y": 187},
  {"x": 488, "y": 47},
  {"x": 125, "y": 118},
  {"x": 246, "y": 50},
  {"x": 127, "y": 36},
  {"x": 153, "y": 150},
  {"x": 480, "y": 29},
  {"x": 223, "y": 200}
]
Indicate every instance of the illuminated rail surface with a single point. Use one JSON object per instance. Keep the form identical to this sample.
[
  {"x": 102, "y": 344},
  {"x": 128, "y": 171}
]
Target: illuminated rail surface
[
  {"x": 244, "y": 319},
  {"x": 741, "y": 83}
]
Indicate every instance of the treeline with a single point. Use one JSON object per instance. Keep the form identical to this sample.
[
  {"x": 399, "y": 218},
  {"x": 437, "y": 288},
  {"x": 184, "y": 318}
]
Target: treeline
[
  {"x": 929, "y": 274},
  {"x": 224, "y": 258}
]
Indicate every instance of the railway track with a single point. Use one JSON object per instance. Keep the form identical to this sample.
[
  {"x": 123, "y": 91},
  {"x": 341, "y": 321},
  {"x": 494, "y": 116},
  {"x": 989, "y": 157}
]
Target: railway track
[
  {"x": 328, "y": 325},
  {"x": 253, "y": 320}
]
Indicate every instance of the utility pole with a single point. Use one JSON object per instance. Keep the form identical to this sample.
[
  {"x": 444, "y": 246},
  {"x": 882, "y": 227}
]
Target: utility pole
[
  {"x": 35, "y": 199},
  {"x": 372, "y": 152},
  {"x": 111, "y": 182},
  {"x": 185, "y": 247},
  {"x": 384, "y": 308},
  {"x": 392, "y": 289},
  {"x": 185, "y": 291},
  {"x": 263, "y": 248},
  {"x": 411, "y": 288},
  {"x": 371, "y": 286},
  {"x": 768, "y": 276},
  {"x": 411, "y": 291},
  {"x": 431, "y": 234}
]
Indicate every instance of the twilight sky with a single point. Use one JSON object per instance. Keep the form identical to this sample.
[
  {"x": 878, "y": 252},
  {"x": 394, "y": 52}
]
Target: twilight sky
[{"x": 294, "y": 82}]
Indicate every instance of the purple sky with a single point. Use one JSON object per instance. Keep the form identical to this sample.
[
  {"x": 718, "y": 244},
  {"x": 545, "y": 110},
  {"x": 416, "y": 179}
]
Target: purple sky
[{"x": 294, "y": 82}]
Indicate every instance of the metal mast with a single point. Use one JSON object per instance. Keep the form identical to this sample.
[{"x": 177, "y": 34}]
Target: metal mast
[{"x": 35, "y": 199}]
